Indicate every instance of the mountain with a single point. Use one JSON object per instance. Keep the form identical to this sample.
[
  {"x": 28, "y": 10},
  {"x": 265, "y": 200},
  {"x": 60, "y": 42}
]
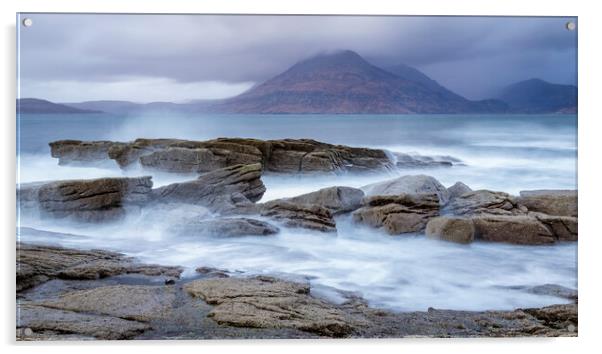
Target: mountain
[
  {"x": 539, "y": 96},
  {"x": 344, "y": 82},
  {"x": 35, "y": 105}
]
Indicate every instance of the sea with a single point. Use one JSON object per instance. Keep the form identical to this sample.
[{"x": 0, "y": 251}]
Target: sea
[{"x": 508, "y": 153}]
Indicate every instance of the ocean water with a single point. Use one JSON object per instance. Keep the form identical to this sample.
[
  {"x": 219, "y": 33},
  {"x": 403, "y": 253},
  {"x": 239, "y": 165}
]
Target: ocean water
[{"x": 506, "y": 153}]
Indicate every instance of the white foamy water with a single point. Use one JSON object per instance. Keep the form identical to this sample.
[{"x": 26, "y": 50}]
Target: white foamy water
[{"x": 408, "y": 272}]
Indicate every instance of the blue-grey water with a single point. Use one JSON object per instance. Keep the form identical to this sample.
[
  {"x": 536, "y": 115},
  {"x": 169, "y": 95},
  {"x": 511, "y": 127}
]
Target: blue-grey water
[{"x": 507, "y": 153}]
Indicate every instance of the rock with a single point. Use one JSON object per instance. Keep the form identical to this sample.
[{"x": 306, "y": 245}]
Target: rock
[
  {"x": 522, "y": 230},
  {"x": 554, "y": 290},
  {"x": 93, "y": 200},
  {"x": 418, "y": 184},
  {"x": 79, "y": 152},
  {"x": 419, "y": 161},
  {"x": 556, "y": 316},
  {"x": 218, "y": 190},
  {"x": 265, "y": 302},
  {"x": 484, "y": 201},
  {"x": 278, "y": 156},
  {"x": 457, "y": 190},
  {"x": 552, "y": 202},
  {"x": 226, "y": 227},
  {"x": 398, "y": 214},
  {"x": 40, "y": 318},
  {"x": 37, "y": 264},
  {"x": 212, "y": 272},
  {"x": 454, "y": 229},
  {"x": 308, "y": 216},
  {"x": 131, "y": 302},
  {"x": 564, "y": 228},
  {"x": 336, "y": 199}
]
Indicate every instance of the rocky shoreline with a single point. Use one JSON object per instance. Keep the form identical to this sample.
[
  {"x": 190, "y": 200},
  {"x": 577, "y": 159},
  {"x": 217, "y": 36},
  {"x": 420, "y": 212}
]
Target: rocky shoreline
[{"x": 65, "y": 293}]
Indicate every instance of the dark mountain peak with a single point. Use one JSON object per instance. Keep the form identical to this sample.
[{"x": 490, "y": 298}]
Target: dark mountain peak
[{"x": 334, "y": 62}]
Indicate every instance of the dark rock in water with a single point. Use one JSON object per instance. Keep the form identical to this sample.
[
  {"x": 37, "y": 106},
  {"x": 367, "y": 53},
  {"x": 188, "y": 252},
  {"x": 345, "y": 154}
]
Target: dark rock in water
[
  {"x": 554, "y": 290},
  {"x": 218, "y": 190},
  {"x": 185, "y": 156},
  {"x": 37, "y": 264},
  {"x": 418, "y": 161},
  {"x": 412, "y": 185},
  {"x": 92, "y": 200},
  {"x": 212, "y": 272},
  {"x": 336, "y": 199},
  {"x": 552, "y": 202},
  {"x": 454, "y": 229},
  {"x": 41, "y": 318},
  {"x": 522, "y": 230},
  {"x": 484, "y": 201},
  {"x": 397, "y": 214},
  {"x": 308, "y": 216},
  {"x": 457, "y": 190},
  {"x": 266, "y": 302},
  {"x": 226, "y": 227},
  {"x": 80, "y": 152}
]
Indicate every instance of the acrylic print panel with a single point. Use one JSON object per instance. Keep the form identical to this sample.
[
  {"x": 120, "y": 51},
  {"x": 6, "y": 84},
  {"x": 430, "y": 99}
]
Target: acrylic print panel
[{"x": 227, "y": 176}]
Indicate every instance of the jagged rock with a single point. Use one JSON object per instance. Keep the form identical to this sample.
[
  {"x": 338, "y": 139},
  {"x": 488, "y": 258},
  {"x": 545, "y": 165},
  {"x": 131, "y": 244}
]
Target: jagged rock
[
  {"x": 336, "y": 199},
  {"x": 454, "y": 229},
  {"x": 278, "y": 156},
  {"x": 556, "y": 316},
  {"x": 37, "y": 264},
  {"x": 211, "y": 272},
  {"x": 226, "y": 227},
  {"x": 522, "y": 230},
  {"x": 552, "y": 202},
  {"x": 457, "y": 190},
  {"x": 412, "y": 184},
  {"x": 265, "y": 302},
  {"x": 564, "y": 228},
  {"x": 218, "y": 190},
  {"x": 398, "y": 214},
  {"x": 130, "y": 302},
  {"x": 484, "y": 201},
  {"x": 80, "y": 152},
  {"x": 40, "y": 318},
  {"x": 308, "y": 216},
  {"x": 91, "y": 200}
]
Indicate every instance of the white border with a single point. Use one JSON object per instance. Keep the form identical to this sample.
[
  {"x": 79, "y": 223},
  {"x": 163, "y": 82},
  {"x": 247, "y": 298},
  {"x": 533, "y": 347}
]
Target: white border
[{"x": 590, "y": 115}]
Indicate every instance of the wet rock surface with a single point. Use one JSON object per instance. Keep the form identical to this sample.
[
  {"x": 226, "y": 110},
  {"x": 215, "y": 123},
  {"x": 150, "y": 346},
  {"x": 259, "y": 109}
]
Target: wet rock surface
[
  {"x": 217, "y": 305},
  {"x": 225, "y": 227},
  {"x": 307, "y": 216},
  {"x": 484, "y": 201},
  {"x": 453, "y": 229},
  {"x": 457, "y": 189},
  {"x": 336, "y": 199},
  {"x": 397, "y": 214}
]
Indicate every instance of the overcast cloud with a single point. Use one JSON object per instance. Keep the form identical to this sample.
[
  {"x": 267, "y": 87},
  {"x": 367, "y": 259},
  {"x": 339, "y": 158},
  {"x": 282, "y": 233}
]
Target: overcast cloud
[{"x": 143, "y": 58}]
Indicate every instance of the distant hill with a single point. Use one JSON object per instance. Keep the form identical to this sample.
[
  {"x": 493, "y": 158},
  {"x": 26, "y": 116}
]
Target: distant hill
[
  {"x": 539, "y": 96},
  {"x": 127, "y": 107},
  {"x": 343, "y": 82},
  {"x": 35, "y": 105}
]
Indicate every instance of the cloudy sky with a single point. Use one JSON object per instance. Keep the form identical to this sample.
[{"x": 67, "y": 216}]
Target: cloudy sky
[{"x": 144, "y": 58}]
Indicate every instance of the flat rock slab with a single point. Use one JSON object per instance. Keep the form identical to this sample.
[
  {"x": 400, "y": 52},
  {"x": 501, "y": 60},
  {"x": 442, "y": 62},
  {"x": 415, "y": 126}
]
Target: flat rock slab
[
  {"x": 37, "y": 264},
  {"x": 266, "y": 302},
  {"x": 336, "y": 199},
  {"x": 551, "y": 202},
  {"x": 453, "y": 229},
  {"x": 308, "y": 216},
  {"x": 40, "y": 318},
  {"x": 130, "y": 302}
]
